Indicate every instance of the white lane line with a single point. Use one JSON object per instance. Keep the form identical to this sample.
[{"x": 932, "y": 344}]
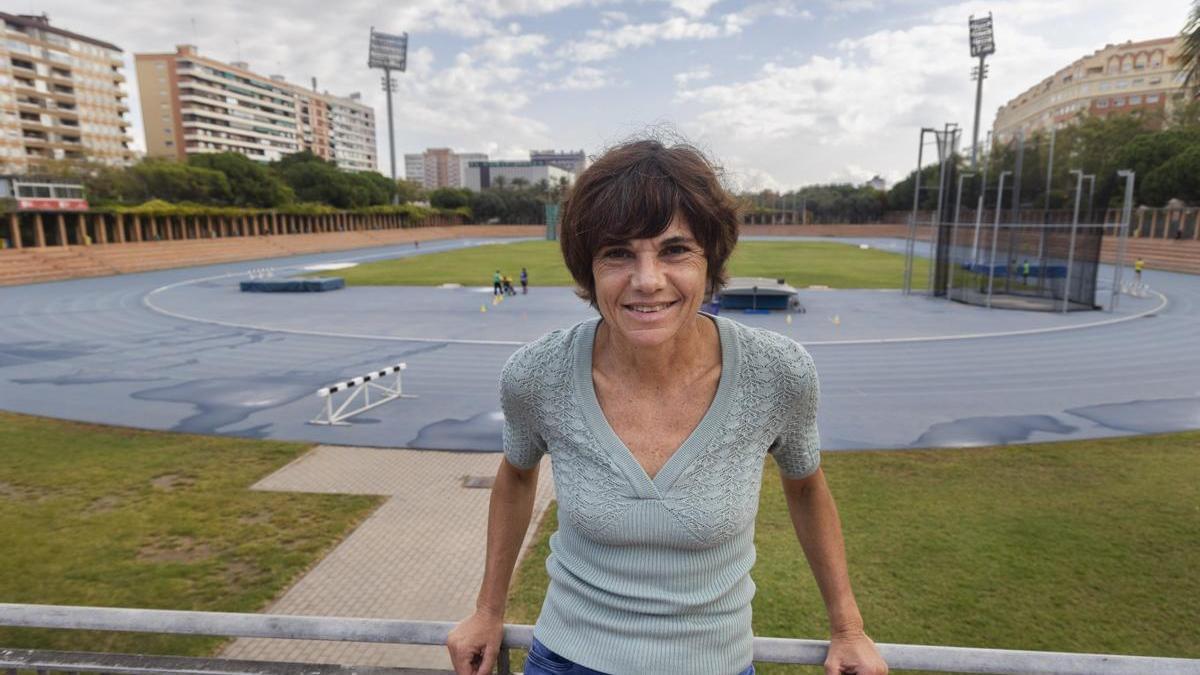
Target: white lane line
[
  {"x": 149, "y": 304},
  {"x": 1163, "y": 302}
]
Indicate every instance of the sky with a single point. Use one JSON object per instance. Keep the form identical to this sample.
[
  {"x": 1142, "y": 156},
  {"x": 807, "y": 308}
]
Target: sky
[{"x": 780, "y": 94}]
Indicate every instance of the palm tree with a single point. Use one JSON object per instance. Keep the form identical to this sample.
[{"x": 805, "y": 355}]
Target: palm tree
[{"x": 1190, "y": 53}]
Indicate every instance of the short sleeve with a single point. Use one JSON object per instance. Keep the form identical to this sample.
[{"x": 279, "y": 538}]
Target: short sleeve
[
  {"x": 523, "y": 445},
  {"x": 797, "y": 450}
]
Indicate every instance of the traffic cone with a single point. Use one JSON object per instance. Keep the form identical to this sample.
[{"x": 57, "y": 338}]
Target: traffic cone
[{"x": 483, "y": 308}]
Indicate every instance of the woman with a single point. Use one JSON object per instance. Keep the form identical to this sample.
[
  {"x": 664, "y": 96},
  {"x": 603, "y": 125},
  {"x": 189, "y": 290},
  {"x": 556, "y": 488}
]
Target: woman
[{"x": 658, "y": 419}]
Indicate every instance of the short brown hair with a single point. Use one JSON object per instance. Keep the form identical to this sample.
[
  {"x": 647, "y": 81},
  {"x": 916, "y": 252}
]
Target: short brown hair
[{"x": 632, "y": 192}]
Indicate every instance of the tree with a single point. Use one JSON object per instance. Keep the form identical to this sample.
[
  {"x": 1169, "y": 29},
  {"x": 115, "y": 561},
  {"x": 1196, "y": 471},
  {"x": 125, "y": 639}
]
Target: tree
[
  {"x": 1190, "y": 52},
  {"x": 450, "y": 198},
  {"x": 175, "y": 182},
  {"x": 251, "y": 183},
  {"x": 1174, "y": 179},
  {"x": 410, "y": 191},
  {"x": 316, "y": 180}
]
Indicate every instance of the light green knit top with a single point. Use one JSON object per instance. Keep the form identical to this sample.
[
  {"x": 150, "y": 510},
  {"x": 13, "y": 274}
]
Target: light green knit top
[{"x": 653, "y": 575}]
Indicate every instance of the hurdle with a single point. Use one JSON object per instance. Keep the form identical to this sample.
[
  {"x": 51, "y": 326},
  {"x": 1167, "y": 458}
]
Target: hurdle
[{"x": 361, "y": 387}]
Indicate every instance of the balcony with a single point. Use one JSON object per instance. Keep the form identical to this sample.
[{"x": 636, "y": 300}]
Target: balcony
[{"x": 390, "y": 631}]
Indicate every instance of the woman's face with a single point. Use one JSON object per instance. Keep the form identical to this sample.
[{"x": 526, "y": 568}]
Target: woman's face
[{"x": 648, "y": 289}]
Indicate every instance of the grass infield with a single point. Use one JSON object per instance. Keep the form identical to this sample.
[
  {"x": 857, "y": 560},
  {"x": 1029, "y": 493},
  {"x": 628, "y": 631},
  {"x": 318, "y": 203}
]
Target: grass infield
[
  {"x": 1087, "y": 546},
  {"x": 801, "y": 263},
  {"x": 107, "y": 516}
]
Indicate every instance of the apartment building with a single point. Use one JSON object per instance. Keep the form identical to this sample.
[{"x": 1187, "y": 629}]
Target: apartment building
[
  {"x": 60, "y": 96},
  {"x": 195, "y": 104},
  {"x": 440, "y": 167},
  {"x": 1144, "y": 77},
  {"x": 338, "y": 129}
]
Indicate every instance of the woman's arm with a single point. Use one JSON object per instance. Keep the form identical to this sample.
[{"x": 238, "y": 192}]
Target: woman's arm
[
  {"x": 815, "y": 519},
  {"x": 475, "y": 642}
]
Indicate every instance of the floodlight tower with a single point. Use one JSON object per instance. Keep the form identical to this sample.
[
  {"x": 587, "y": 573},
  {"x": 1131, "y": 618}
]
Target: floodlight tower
[
  {"x": 983, "y": 44},
  {"x": 389, "y": 52}
]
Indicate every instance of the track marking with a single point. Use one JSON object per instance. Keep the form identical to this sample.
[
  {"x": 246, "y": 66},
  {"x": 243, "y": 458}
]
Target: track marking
[{"x": 149, "y": 304}]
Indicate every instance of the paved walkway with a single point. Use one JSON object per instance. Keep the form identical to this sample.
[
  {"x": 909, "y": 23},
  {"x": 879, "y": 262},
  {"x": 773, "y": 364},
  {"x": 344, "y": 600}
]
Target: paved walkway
[{"x": 419, "y": 556}]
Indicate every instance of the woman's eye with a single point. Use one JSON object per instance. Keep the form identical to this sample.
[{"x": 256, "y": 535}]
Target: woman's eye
[
  {"x": 675, "y": 250},
  {"x": 616, "y": 253}
]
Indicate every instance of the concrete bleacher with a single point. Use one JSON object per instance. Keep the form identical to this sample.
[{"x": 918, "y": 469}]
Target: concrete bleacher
[{"x": 1160, "y": 254}]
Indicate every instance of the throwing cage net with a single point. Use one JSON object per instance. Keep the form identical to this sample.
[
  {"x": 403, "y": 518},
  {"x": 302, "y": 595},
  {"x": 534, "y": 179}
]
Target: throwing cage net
[{"x": 1032, "y": 266}]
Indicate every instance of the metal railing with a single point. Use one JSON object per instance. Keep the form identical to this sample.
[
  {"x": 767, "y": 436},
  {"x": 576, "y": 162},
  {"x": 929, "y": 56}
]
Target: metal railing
[{"x": 391, "y": 631}]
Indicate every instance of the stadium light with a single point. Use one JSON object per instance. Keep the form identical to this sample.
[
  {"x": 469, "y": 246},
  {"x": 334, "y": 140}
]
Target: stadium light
[
  {"x": 983, "y": 44},
  {"x": 389, "y": 52}
]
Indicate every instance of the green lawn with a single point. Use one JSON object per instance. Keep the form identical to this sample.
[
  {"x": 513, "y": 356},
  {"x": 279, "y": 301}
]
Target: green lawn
[
  {"x": 106, "y": 516},
  {"x": 1086, "y": 546},
  {"x": 802, "y": 263}
]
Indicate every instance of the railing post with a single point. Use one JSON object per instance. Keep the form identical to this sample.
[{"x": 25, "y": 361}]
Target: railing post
[
  {"x": 61, "y": 220},
  {"x": 14, "y": 230},
  {"x": 100, "y": 225}
]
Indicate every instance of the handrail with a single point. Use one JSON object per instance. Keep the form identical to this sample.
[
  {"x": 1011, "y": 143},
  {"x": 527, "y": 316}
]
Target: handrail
[{"x": 395, "y": 631}]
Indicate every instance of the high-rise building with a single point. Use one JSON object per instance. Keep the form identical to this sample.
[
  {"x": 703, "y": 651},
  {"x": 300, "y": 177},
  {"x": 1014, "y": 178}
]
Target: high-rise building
[
  {"x": 440, "y": 167},
  {"x": 574, "y": 162},
  {"x": 60, "y": 96},
  {"x": 1133, "y": 77},
  {"x": 195, "y": 104}
]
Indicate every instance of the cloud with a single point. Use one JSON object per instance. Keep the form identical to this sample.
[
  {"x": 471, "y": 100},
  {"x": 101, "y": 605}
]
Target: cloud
[
  {"x": 581, "y": 78},
  {"x": 603, "y": 44},
  {"x": 507, "y": 48},
  {"x": 693, "y": 75},
  {"x": 693, "y": 8},
  {"x": 851, "y": 6},
  {"x": 607, "y": 42},
  {"x": 855, "y": 109}
]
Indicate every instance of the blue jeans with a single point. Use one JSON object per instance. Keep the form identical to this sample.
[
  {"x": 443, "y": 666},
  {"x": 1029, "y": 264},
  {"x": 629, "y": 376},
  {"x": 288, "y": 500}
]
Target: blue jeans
[{"x": 542, "y": 661}]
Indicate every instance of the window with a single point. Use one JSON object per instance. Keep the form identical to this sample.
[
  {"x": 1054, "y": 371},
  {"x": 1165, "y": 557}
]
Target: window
[
  {"x": 1135, "y": 100},
  {"x": 1118, "y": 102},
  {"x": 1152, "y": 98},
  {"x": 1122, "y": 84},
  {"x": 1102, "y": 103}
]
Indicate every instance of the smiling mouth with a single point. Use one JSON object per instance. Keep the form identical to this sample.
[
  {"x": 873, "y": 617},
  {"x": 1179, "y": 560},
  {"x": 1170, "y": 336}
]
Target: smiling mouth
[{"x": 647, "y": 308}]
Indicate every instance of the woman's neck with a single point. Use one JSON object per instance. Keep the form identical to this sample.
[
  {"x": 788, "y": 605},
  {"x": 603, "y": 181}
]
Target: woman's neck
[{"x": 691, "y": 349}]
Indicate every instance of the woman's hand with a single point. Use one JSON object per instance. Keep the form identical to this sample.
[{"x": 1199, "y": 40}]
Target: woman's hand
[
  {"x": 853, "y": 654},
  {"x": 475, "y": 643}
]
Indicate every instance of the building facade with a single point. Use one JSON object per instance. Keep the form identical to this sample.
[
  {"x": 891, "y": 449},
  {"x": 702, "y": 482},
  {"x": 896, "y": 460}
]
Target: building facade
[
  {"x": 573, "y": 161},
  {"x": 1133, "y": 77},
  {"x": 193, "y": 104},
  {"x": 61, "y": 96},
  {"x": 440, "y": 167},
  {"x": 482, "y": 174}
]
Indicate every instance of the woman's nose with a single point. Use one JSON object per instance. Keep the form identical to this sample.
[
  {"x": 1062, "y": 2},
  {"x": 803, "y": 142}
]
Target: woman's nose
[{"x": 647, "y": 273}]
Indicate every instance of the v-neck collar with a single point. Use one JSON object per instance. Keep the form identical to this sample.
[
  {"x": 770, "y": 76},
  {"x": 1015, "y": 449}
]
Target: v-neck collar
[{"x": 697, "y": 440}]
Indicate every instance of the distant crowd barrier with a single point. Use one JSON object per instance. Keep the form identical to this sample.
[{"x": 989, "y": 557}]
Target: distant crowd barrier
[{"x": 225, "y": 624}]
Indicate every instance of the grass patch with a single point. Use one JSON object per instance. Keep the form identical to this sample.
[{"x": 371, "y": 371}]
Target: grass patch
[
  {"x": 1087, "y": 546},
  {"x": 802, "y": 263},
  {"x": 106, "y": 516}
]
